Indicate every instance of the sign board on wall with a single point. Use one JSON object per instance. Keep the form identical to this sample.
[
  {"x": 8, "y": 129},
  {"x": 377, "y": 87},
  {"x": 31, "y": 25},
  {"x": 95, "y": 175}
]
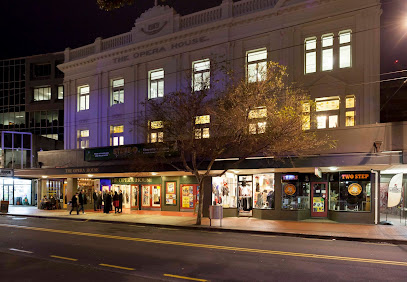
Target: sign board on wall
[
  {"x": 355, "y": 176},
  {"x": 5, "y": 172}
]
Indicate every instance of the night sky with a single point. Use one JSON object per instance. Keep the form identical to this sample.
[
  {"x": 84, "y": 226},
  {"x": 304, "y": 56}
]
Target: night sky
[{"x": 35, "y": 27}]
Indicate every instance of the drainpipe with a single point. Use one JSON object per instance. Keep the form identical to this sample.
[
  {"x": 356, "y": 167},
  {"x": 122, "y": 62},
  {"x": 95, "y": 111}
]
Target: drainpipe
[{"x": 376, "y": 196}]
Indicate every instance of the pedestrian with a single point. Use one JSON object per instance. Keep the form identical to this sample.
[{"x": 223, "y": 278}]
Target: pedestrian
[
  {"x": 74, "y": 203},
  {"x": 95, "y": 200},
  {"x": 116, "y": 202},
  {"x": 107, "y": 199},
  {"x": 99, "y": 206},
  {"x": 111, "y": 200},
  {"x": 120, "y": 201},
  {"x": 82, "y": 202}
]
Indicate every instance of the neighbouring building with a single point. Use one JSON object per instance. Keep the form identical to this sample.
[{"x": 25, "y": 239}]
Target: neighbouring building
[{"x": 331, "y": 47}]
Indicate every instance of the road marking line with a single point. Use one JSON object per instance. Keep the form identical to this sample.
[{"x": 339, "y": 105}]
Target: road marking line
[
  {"x": 381, "y": 244},
  {"x": 315, "y": 239},
  {"x": 184, "y": 277},
  {"x": 65, "y": 258},
  {"x": 116, "y": 266},
  {"x": 19, "y": 218},
  {"x": 21, "y": 251},
  {"x": 267, "y": 236},
  {"x": 165, "y": 228},
  {"x": 207, "y": 246}
]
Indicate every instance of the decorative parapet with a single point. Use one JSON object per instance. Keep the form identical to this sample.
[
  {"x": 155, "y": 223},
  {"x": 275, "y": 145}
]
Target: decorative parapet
[{"x": 160, "y": 20}]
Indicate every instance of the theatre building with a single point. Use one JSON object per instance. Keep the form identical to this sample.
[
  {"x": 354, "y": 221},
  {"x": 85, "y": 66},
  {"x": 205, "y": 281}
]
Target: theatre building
[{"x": 330, "y": 47}]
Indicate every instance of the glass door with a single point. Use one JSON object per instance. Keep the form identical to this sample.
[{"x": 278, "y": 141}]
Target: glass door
[
  {"x": 245, "y": 195},
  {"x": 319, "y": 199},
  {"x": 135, "y": 198}
]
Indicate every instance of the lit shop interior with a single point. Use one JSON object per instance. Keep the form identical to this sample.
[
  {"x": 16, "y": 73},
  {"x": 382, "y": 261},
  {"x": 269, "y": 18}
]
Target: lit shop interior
[{"x": 17, "y": 191}]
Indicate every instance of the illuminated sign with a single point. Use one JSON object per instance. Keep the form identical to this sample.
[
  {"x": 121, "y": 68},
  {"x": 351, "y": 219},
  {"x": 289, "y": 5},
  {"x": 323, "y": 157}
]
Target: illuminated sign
[
  {"x": 288, "y": 177},
  {"x": 290, "y": 189},
  {"x": 364, "y": 176},
  {"x": 354, "y": 189}
]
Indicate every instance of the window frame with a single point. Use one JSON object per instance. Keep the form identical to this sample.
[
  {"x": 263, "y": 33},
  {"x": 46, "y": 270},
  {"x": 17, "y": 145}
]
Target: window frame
[
  {"x": 259, "y": 76},
  {"x": 157, "y": 131},
  {"x": 42, "y": 89},
  {"x": 258, "y": 122},
  {"x": 83, "y": 138},
  {"x": 344, "y": 45},
  {"x": 59, "y": 92},
  {"x": 157, "y": 81},
  {"x": 310, "y": 51},
  {"x": 325, "y": 48},
  {"x": 120, "y": 90},
  {"x": 328, "y": 113},
  {"x": 202, "y": 124},
  {"x": 119, "y": 135},
  {"x": 85, "y": 95},
  {"x": 205, "y": 83}
]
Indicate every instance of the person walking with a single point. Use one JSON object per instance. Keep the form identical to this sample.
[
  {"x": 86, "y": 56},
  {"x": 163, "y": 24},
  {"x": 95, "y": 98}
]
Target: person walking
[
  {"x": 116, "y": 202},
  {"x": 74, "y": 202},
  {"x": 95, "y": 200},
  {"x": 82, "y": 202},
  {"x": 120, "y": 201}
]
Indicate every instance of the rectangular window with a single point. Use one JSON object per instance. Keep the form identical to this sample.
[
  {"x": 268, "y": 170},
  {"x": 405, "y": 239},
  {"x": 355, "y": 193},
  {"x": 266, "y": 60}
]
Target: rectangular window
[
  {"x": 156, "y": 133},
  {"x": 117, "y": 91},
  {"x": 60, "y": 92},
  {"x": 83, "y": 97},
  {"x": 116, "y": 135},
  {"x": 83, "y": 139},
  {"x": 345, "y": 50},
  {"x": 201, "y": 126},
  {"x": 201, "y": 77},
  {"x": 42, "y": 93},
  {"x": 327, "y": 109},
  {"x": 310, "y": 55},
  {"x": 350, "y": 110},
  {"x": 257, "y": 124},
  {"x": 295, "y": 195},
  {"x": 327, "y": 52},
  {"x": 264, "y": 191},
  {"x": 306, "y": 116},
  {"x": 156, "y": 85},
  {"x": 256, "y": 65}
]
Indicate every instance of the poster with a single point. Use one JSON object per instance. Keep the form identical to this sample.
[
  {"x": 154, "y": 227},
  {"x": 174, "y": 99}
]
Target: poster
[
  {"x": 170, "y": 187},
  {"x": 318, "y": 204},
  {"x": 170, "y": 199},
  {"x": 188, "y": 196}
]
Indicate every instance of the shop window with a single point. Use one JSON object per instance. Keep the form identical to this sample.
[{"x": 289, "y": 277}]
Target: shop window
[
  {"x": 264, "y": 191},
  {"x": 327, "y": 110},
  {"x": 306, "y": 116},
  {"x": 83, "y": 98},
  {"x": 42, "y": 93},
  {"x": 116, "y": 135},
  {"x": 345, "y": 49},
  {"x": 201, "y": 126},
  {"x": 22, "y": 192},
  {"x": 151, "y": 196},
  {"x": 256, "y": 65},
  {"x": 310, "y": 55},
  {"x": 117, "y": 91},
  {"x": 83, "y": 139},
  {"x": 295, "y": 194},
  {"x": 327, "y": 52},
  {"x": 201, "y": 77},
  {"x": 60, "y": 92},
  {"x": 156, "y": 133},
  {"x": 257, "y": 123},
  {"x": 352, "y": 192},
  {"x": 156, "y": 84},
  {"x": 224, "y": 190},
  {"x": 350, "y": 111}
]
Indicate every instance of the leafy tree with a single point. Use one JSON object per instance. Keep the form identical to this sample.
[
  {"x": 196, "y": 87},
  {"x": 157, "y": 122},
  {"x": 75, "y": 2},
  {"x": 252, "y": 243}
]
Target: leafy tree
[{"x": 262, "y": 118}]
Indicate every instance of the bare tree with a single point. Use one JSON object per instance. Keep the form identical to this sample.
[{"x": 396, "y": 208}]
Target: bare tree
[{"x": 261, "y": 118}]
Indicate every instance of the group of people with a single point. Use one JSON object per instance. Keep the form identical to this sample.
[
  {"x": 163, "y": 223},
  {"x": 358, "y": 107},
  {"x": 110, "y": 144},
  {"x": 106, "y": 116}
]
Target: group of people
[
  {"x": 48, "y": 204},
  {"x": 109, "y": 199}
]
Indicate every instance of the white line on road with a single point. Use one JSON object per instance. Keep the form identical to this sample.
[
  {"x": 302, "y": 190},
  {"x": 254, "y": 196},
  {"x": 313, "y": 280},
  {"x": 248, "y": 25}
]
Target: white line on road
[
  {"x": 165, "y": 228},
  {"x": 267, "y": 236},
  {"x": 19, "y": 218},
  {"x": 381, "y": 244},
  {"x": 21, "y": 251}
]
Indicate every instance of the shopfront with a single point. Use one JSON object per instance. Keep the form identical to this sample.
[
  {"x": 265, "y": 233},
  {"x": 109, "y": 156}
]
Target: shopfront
[{"x": 16, "y": 191}]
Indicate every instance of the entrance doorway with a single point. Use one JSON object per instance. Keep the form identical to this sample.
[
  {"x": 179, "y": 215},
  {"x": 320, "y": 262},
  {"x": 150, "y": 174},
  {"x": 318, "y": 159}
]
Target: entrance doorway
[
  {"x": 245, "y": 194},
  {"x": 7, "y": 194},
  {"x": 319, "y": 198},
  {"x": 135, "y": 197}
]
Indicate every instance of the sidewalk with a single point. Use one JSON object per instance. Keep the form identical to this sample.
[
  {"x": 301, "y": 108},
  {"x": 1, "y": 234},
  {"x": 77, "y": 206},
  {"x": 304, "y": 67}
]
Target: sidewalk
[{"x": 322, "y": 230}]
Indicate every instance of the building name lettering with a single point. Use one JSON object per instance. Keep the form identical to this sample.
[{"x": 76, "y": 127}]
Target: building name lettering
[
  {"x": 82, "y": 170},
  {"x": 150, "y": 52},
  {"x": 359, "y": 176},
  {"x": 133, "y": 179}
]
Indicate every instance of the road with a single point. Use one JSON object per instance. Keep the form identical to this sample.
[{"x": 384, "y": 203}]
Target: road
[{"x": 35, "y": 249}]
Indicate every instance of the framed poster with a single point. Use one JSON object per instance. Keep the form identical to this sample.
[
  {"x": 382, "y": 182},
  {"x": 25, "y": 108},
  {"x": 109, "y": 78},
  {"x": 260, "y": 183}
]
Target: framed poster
[{"x": 170, "y": 193}]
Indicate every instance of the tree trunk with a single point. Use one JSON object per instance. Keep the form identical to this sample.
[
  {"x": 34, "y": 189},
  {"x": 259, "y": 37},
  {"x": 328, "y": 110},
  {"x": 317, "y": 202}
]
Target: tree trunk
[{"x": 200, "y": 204}]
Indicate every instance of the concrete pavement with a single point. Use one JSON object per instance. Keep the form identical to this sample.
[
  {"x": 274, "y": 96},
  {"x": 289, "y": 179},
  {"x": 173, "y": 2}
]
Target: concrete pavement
[{"x": 318, "y": 229}]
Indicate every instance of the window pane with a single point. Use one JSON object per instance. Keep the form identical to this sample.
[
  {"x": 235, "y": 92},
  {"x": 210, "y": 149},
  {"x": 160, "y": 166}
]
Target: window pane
[
  {"x": 257, "y": 55},
  {"x": 118, "y": 82},
  {"x": 160, "y": 91},
  {"x": 344, "y": 37},
  {"x": 61, "y": 92},
  {"x": 153, "y": 90},
  {"x": 333, "y": 121},
  {"x": 115, "y": 141},
  {"x": 156, "y": 124},
  {"x": 327, "y": 59},
  {"x": 327, "y": 105},
  {"x": 327, "y": 40},
  {"x": 153, "y": 137},
  {"x": 84, "y": 133},
  {"x": 350, "y": 102},
  {"x": 205, "y": 132},
  {"x": 344, "y": 56},
  {"x": 121, "y": 140},
  {"x": 262, "y": 71},
  {"x": 251, "y": 73},
  {"x": 202, "y": 119},
  {"x": 206, "y": 80},
  {"x": 83, "y": 89},
  {"x": 350, "y": 118},
  {"x": 310, "y": 44},
  {"x": 201, "y": 66},
  {"x": 160, "y": 136},
  {"x": 82, "y": 103},
  {"x": 252, "y": 128},
  {"x": 198, "y": 133},
  {"x": 258, "y": 113},
  {"x": 310, "y": 62},
  {"x": 261, "y": 127},
  {"x": 87, "y": 102},
  {"x": 306, "y": 122},
  {"x": 321, "y": 122},
  {"x": 154, "y": 75}
]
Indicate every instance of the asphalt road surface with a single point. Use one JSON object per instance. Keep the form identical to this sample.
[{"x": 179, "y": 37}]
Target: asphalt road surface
[{"x": 35, "y": 249}]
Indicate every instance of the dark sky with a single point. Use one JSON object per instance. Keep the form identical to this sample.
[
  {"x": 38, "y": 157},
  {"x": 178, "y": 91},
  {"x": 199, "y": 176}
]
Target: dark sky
[{"x": 34, "y": 27}]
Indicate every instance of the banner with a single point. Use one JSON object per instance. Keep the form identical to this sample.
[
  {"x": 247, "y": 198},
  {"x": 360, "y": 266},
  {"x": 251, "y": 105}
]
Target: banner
[{"x": 395, "y": 187}]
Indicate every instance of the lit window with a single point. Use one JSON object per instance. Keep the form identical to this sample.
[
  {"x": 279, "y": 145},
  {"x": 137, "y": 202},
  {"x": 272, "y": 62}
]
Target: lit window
[
  {"x": 345, "y": 50},
  {"x": 257, "y": 124},
  {"x": 328, "y": 112},
  {"x": 321, "y": 122},
  {"x": 116, "y": 135},
  {"x": 306, "y": 118},
  {"x": 310, "y": 55},
  {"x": 202, "y": 129},
  {"x": 156, "y": 134},
  {"x": 327, "y": 52},
  {"x": 60, "y": 92},
  {"x": 350, "y": 110},
  {"x": 117, "y": 91},
  {"x": 256, "y": 65},
  {"x": 333, "y": 121},
  {"x": 201, "y": 77},
  {"x": 83, "y": 97},
  {"x": 156, "y": 85},
  {"x": 83, "y": 139},
  {"x": 42, "y": 93}
]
